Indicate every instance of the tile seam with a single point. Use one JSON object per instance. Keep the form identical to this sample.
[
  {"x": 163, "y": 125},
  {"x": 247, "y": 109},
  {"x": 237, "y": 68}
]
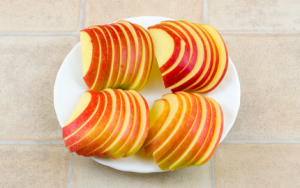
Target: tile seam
[
  {"x": 31, "y": 142},
  {"x": 37, "y": 33},
  {"x": 70, "y": 170},
  {"x": 205, "y": 11},
  {"x": 80, "y": 27},
  {"x": 212, "y": 167},
  {"x": 261, "y": 142},
  {"x": 259, "y": 32}
]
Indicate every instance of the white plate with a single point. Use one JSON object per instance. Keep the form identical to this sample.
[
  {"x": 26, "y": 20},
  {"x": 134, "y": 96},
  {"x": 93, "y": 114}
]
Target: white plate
[{"x": 69, "y": 87}]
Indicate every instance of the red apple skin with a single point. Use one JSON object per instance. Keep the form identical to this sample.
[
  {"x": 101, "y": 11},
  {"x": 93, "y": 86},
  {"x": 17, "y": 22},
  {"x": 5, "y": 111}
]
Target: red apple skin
[
  {"x": 199, "y": 72},
  {"x": 151, "y": 144},
  {"x": 114, "y": 134},
  {"x": 123, "y": 55},
  {"x": 83, "y": 117},
  {"x": 186, "y": 137},
  {"x": 96, "y": 151},
  {"x": 138, "y": 49},
  {"x": 99, "y": 127},
  {"x": 90, "y": 77},
  {"x": 130, "y": 56},
  {"x": 125, "y": 143},
  {"x": 188, "y": 60},
  {"x": 205, "y": 88},
  {"x": 104, "y": 69},
  {"x": 73, "y": 140},
  {"x": 208, "y": 137},
  {"x": 177, "y": 48},
  {"x": 215, "y": 62},
  {"x": 217, "y": 134},
  {"x": 200, "y": 139},
  {"x": 115, "y": 63}
]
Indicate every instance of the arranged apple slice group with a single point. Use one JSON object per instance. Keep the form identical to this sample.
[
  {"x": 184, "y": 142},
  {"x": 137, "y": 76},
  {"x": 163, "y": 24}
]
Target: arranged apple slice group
[
  {"x": 111, "y": 123},
  {"x": 191, "y": 57},
  {"x": 117, "y": 55},
  {"x": 185, "y": 129}
]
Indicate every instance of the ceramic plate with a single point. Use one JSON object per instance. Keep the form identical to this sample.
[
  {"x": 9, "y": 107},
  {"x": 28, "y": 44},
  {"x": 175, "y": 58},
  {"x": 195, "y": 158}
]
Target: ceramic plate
[{"x": 69, "y": 87}]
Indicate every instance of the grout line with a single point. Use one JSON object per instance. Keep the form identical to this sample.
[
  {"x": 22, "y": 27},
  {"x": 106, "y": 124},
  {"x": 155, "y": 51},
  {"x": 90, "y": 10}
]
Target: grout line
[
  {"x": 81, "y": 15},
  {"x": 259, "y": 32},
  {"x": 70, "y": 170},
  {"x": 261, "y": 142},
  {"x": 37, "y": 33},
  {"x": 212, "y": 168},
  {"x": 31, "y": 142},
  {"x": 205, "y": 11}
]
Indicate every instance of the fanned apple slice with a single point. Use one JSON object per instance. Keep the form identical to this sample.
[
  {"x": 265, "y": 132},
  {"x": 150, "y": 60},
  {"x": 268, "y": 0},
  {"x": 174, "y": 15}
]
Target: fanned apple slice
[
  {"x": 115, "y": 57},
  {"x": 138, "y": 49},
  {"x": 102, "y": 125},
  {"x": 123, "y": 54},
  {"x": 131, "y": 53},
  {"x": 156, "y": 139},
  {"x": 169, "y": 48},
  {"x": 198, "y": 139},
  {"x": 200, "y": 64},
  {"x": 208, "y": 138},
  {"x": 144, "y": 123},
  {"x": 146, "y": 60},
  {"x": 223, "y": 60},
  {"x": 105, "y": 66},
  {"x": 90, "y": 56},
  {"x": 216, "y": 136},
  {"x": 122, "y": 145},
  {"x": 76, "y": 140},
  {"x": 187, "y": 135},
  {"x": 208, "y": 64},
  {"x": 82, "y": 113},
  {"x": 119, "y": 135},
  {"x": 176, "y": 73},
  {"x": 214, "y": 65}
]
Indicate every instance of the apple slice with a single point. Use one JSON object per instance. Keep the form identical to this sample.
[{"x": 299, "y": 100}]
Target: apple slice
[
  {"x": 156, "y": 138},
  {"x": 115, "y": 57},
  {"x": 186, "y": 137},
  {"x": 82, "y": 113},
  {"x": 209, "y": 60},
  {"x": 169, "y": 48},
  {"x": 146, "y": 60},
  {"x": 144, "y": 123},
  {"x": 223, "y": 60},
  {"x": 90, "y": 55},
  {"x": 200, "y": 64},
  {"x": 123, "y": 54},
  {"x": 198, "y": 139},
  {"x": 214, "y": 65},
  {"x": 216, "y": 136},
  {"x": 76, "y": 141},
  {"x": 103, "y": 124},
  {"x": 208, "y": 137},
  {"x": 176, "y": 73},
  {"x": 119, "y": 135}
]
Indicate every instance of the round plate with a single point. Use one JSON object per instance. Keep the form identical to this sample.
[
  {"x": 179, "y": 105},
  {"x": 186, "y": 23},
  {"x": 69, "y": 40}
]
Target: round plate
[{"x": 69, "y": 87}]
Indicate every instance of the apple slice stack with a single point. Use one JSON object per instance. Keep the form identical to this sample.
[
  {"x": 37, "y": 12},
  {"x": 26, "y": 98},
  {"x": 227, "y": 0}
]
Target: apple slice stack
[
  {"x": 185, "y": 129},
  {"x": 117, "y": 55},
  {"x": 191, "y": 57},
  {"x": 111, "y": 123}
]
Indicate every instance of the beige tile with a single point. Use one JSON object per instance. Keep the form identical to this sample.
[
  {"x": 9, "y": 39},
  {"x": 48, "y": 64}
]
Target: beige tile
[
  {"x": 28, "y": 67},
  {"x": 257, "y": 165},
  {"x": 33, "y": 15},
  {"x": 33, "y": 166},
  {"x": 103, "y": 12},
  {"x": 269, "y": 72},
  {"x": 88, "y": 173},
  {"x": 257, "y": 15}
]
